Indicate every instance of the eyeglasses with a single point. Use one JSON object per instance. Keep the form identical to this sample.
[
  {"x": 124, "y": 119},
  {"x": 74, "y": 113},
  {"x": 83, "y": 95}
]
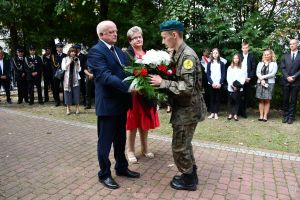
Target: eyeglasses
[{"x": 136, "y": 38}]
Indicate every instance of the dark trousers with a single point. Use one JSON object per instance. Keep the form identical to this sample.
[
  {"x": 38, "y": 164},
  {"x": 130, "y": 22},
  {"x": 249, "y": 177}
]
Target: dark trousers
[
  {"x": 57, "y": 83},
  {"x": 22, "y": 90},
  {"x": 111, "y": 130},
  {"x": 90, "y": 88},
  {"x": 83, "y": 90},
  {"x": 214, "y": 96},
  {"x": 245, "y": 95},
  {"x": 48, "y": 81},
  {"x": 290, "y": 95},
  {"x": 37, "y": 84},
  {"x": 234, "y": 99},
  {"x": 6, "y": 86}
]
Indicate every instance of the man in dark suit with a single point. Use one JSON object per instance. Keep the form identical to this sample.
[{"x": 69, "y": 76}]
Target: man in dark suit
[
  {"x": 47, "y": 73},
  {"x": 5, "y": 76},
  {"x": 33, "y": 68},
  {"x": 18, "y": 64},
  {"x": 82, "y": 59},
  {"x": 112, "y": 102},
  {"x": 291, "y": 81},
  {"x": 56, "y": 63},
  {"x": 249, "y": 65}
]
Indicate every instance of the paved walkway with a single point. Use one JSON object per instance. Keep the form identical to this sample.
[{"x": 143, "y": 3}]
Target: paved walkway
[{"x": 41, "y": 158}]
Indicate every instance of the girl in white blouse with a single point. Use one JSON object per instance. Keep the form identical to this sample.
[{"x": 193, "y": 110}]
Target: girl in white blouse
[
  {"x": 265, "y": 72},
  {"x": 236, "y": 77}
]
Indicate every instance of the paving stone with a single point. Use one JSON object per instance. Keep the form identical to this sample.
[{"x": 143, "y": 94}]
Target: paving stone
[{"x": 63, "y": 165}]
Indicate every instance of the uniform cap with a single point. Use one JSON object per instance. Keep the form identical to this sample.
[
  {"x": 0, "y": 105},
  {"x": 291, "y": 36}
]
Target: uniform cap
[
  {"x": 31, "y": 46},
  {"x": 171, "y": 25},
  {"x": 61, "y": 45},
  {"x": 77, "y": 46},
  {"x": 20, "y": 49}
]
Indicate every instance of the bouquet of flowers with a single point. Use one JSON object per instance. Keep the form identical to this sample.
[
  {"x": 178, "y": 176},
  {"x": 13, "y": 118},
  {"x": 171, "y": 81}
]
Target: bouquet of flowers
[{"x": 153, "y": 62}]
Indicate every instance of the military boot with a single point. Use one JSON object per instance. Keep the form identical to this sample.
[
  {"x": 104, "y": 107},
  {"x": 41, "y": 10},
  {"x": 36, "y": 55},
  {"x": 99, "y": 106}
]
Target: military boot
[
  {"x": 194, "y": 174},
  {"x": 185, "y": 182}
]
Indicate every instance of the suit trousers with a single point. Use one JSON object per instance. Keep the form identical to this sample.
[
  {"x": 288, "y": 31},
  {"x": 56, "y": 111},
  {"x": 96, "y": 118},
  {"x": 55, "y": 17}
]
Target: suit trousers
[
  {"x": 31, "y": 84},
  {"x": 111, "y": 130},
  {"x": 48, "y": 81},
  {"x": 90, "y": 88},
  {"x": 290, "y": 95},
  {"x": 245, "y": 95},
  {"x": 6, "y": 86},
  {"x": 22, "y": 90},
  {"x": 83, "y": 90},
  {"x": 57, "y": 83}
]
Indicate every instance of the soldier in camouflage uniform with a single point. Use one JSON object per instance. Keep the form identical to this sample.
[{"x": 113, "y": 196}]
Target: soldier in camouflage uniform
[{"x": 188, "y": 107}]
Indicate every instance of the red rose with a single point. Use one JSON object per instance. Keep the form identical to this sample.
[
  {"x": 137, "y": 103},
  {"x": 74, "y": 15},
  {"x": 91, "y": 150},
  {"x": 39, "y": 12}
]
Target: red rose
[
  {"x": 169, "y": 72},
  {"x": 162, "y": 68},
  {"x": 136, "y": 72},
  {"x": 144, "y": 72},
  {"x": 173, "y": 70}
]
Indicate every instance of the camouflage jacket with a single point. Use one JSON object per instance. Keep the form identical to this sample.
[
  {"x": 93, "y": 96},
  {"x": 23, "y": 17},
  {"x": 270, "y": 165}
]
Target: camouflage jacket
[{"x": 185, "y": 93}]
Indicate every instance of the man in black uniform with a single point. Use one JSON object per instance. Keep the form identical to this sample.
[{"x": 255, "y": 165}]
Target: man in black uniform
[
  {"x": 56, "y": 63},
  {"x": 90, "y": 87},
  {"x": 82, "y": 59},
  {"x": 47, "y": 73},
  {"x": 18, "y": 64},
  {"x": 33, "y": 67}
]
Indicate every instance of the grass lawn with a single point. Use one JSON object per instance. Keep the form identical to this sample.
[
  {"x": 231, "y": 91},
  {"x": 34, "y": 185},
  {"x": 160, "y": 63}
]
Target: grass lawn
[{"x": 271, "y": 135}]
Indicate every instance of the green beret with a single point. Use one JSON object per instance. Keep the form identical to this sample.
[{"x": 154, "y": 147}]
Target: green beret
[{"x": 171, "y": 25}]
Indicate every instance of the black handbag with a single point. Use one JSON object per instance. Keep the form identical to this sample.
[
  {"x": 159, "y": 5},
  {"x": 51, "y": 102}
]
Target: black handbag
[{"x": 59, "y": 74}]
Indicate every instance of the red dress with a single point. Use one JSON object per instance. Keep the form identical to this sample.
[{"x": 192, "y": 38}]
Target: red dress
[{"x": 142, "y": 115}]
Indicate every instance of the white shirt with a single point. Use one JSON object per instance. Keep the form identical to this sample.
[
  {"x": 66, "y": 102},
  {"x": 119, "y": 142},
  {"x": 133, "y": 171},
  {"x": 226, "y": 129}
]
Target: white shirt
[
  {"x": 295, "y": 54},
  {"x": 234, "y": 74},
  {"x": 215, "y": 72},
  {"x": 244, "y": 63},
  {"x": 1, "y": 66},
  {"x": 109, "y": 46}
]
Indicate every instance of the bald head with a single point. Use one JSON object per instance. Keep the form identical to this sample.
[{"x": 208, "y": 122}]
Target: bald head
[
  {"x": 107, "y": 31},
  {"x": 294, "y": 43}
]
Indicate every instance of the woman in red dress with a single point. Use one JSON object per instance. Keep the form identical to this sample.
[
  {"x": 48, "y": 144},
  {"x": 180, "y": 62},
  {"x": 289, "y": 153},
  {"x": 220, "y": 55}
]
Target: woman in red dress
[{"x": 143, "y": 114}]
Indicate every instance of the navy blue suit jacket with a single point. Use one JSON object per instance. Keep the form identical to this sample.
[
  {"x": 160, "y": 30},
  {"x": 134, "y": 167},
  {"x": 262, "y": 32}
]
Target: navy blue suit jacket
[
  {"x": 291, "y": 68},
  {"x": 111, "y": 93},
  {"x": 223, "y": 73}
]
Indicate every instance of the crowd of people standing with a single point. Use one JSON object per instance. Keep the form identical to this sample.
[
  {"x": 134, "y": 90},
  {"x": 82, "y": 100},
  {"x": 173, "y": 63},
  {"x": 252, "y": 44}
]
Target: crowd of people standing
[{"x": 29, "y": 71}]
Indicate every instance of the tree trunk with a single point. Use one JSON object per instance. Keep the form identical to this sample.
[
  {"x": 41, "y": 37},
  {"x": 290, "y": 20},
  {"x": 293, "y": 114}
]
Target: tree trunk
[{"x": 13, "y": 43}]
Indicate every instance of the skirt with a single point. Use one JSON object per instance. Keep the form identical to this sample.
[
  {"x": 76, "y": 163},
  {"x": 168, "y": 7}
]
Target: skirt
[{"x": 264, "y": 92}]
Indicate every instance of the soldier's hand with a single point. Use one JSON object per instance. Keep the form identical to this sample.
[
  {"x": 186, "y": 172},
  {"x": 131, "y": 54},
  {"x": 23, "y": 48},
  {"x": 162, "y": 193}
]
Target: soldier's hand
[
  {"x": 34, "y": 73},
  {"x": 3, "y": 77},
  {"x": 155, "y": 80}
]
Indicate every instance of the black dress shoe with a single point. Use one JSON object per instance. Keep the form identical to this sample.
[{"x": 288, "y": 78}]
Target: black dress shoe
[
  {"x": 87, "y": 107},
  {"x": 57, "y": 104},
  {"x": 109, "y": 182},
  {"x": 285, "y": 120},
  {"x": 46, "y": 100},
  {"x": 41, "y": 103},
  {"x": 9, "y": 102},
  {"x": 128, "y": 173},
  {"x": 290, "y": 121},
  {"x": 30, "y": 103}
]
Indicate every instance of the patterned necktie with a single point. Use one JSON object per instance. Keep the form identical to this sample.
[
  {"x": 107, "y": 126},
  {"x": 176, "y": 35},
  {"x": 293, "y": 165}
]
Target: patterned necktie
[{"x": 115, "y": 54}]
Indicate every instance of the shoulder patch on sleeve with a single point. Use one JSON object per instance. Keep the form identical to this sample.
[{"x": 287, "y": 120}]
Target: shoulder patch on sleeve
[{"x": 188, "y": 64}]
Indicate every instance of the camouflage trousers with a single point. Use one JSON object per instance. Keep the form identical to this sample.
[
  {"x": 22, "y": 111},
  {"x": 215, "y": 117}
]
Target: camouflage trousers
[{"x": 182, "y": 147}]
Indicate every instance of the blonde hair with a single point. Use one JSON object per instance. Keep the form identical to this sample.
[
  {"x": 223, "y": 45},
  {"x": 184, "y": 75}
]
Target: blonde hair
[
  {"x": 133, "y": 30},
  {"x": 273, "y": 56}
]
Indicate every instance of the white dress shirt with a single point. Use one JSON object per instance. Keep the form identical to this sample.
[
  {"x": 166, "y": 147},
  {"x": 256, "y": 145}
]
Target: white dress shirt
[
  {"x": 1, "y": 66},
  {"x": 215, "y": 72},
  {"x": 235, "y": 74}
]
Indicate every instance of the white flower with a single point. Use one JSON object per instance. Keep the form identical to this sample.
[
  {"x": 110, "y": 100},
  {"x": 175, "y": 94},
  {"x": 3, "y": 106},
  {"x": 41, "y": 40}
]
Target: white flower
[{"x": 153, "y": 57}]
